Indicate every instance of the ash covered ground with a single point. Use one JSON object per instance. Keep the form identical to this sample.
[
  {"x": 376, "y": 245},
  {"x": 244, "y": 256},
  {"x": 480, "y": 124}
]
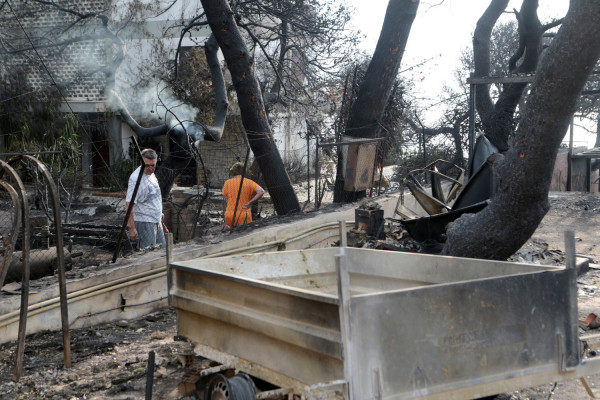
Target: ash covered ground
[{"x": 110, "y": 361}]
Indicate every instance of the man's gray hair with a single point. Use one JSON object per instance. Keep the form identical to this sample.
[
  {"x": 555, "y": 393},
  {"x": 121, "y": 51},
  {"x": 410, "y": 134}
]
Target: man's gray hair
[{"x": 150, "y": 154}]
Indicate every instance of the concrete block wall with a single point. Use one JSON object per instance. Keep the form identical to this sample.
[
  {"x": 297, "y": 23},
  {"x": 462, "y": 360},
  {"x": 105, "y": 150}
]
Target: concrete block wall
[
  {"x": 56, "y": 17},
  {"x": 70, "y": 67}
]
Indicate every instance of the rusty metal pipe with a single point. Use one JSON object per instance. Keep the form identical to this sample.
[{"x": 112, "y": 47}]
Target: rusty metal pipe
[
  {"x": 25, "y": 282},
  {"x": 237, "y": 200},
  {"x": 150, "y": 375},
  {"x": 128, "y": 213},
  {"x": 60, "y": 259},
  {"x": 60, "y": 254},
  {"x": 42, "y": 263}
]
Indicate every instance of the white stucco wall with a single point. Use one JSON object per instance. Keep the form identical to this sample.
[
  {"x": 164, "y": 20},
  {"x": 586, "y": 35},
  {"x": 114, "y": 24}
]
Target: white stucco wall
[{"x": 287, "y": 127}]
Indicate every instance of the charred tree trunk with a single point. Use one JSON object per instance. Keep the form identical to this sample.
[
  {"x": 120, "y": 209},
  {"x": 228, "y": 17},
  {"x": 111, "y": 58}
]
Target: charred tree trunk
[
  {"x": 221, "y": 20},
  {"x": 381, "y": 74},
  {"x": 459, "y": 158},
  {"x": 180, "y": 156},
  {"x": 525, "y": 170},
  {"x": 454, "y": 130},
  {"x": 379, "y": 79},
  {"x": 498, "y": 119}
]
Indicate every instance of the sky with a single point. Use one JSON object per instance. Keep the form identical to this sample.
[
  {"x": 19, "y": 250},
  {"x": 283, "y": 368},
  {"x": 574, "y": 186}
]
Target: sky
[{"x": 441, "y": 30}]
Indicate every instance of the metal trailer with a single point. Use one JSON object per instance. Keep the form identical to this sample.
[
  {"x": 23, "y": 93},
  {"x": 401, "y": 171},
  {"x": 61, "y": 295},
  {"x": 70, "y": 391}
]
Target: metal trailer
[{"x": 349, "y": 323}]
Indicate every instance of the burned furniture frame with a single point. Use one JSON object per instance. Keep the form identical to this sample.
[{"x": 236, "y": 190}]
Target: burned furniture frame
[
  {"x": 470, "y": 197},
  {"x": 437, "y": 201}
]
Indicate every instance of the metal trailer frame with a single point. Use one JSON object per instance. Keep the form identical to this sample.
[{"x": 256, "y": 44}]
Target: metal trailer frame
[{"x": 348, "y": 323}]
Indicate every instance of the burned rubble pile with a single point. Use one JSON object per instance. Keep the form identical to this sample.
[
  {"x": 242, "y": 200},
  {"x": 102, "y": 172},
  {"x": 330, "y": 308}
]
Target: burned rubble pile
[
  {"x": 391, "y": 234},
  {"x": 394, "y": 237},
  {"x": 397, "y": 238}
]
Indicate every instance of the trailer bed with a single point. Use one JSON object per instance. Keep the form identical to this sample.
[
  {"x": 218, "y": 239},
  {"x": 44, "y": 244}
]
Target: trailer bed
[{"x": 370, "y": 324}]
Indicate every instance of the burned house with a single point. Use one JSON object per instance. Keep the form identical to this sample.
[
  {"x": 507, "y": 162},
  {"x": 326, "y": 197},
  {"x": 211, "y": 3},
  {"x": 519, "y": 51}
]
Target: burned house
[{"x": 88, "y": 47}]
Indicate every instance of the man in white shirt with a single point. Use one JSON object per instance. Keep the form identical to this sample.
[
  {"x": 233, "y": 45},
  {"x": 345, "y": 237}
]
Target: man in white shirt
[{"x": 145, "y": 220}]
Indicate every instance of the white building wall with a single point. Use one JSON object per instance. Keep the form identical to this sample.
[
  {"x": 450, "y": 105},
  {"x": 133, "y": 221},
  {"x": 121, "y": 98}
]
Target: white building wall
[{"x": 288, "y": 126}]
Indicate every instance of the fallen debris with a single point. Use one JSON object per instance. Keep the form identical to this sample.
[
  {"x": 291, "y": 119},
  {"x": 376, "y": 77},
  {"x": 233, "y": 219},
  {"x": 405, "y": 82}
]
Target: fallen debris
[
  {"x": 592, "y": 321},
  {"x": 42, "y": 262}
]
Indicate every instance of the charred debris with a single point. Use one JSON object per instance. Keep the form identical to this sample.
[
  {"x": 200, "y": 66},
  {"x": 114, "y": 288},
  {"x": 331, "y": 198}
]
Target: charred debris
[{"x": 442, "y": 192}]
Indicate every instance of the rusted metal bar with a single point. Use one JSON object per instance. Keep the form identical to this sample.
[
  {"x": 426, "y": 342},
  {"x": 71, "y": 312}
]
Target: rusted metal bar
[
  {"x": 129, "y": 209},
  {"x": 169, "y": 259},
  {"x": 26, "y": 260},
  {"x": 60, "y": 254},
  {"x": 570, "y": 156},
  {"x": 587, "y": 388},
  {"x": 150, "y": 376},
  {"x": 9, "y": 247},
  {"x": 237, "y": 201},
  {"x": 25, "y": 282}
]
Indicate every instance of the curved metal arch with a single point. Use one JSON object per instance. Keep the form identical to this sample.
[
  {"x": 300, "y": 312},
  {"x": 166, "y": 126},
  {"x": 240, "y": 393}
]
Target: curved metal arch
[
  {"x": 26, "y": 266},
  {"x": 60, "y": 255},
  {"x": 14, "y": 232}
]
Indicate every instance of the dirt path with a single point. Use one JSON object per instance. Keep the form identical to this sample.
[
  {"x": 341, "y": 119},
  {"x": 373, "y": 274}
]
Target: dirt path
[{"x": 578, "y": 212}]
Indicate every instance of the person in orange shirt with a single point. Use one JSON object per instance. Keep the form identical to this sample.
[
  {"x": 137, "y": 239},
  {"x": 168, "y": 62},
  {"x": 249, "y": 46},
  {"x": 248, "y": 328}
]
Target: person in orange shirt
[{"x": 249, "y": 193}]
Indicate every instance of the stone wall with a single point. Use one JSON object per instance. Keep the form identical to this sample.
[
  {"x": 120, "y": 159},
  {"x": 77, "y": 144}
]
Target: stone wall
[{"x": 218, "y": 157}]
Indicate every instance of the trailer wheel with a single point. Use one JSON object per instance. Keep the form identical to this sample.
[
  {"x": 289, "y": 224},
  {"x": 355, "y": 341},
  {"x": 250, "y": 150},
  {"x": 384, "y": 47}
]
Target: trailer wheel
[
  {"x": 240, "y": 387},
  {"x": 217, "y": 388},
  {"x": 243, "y": 387}
]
